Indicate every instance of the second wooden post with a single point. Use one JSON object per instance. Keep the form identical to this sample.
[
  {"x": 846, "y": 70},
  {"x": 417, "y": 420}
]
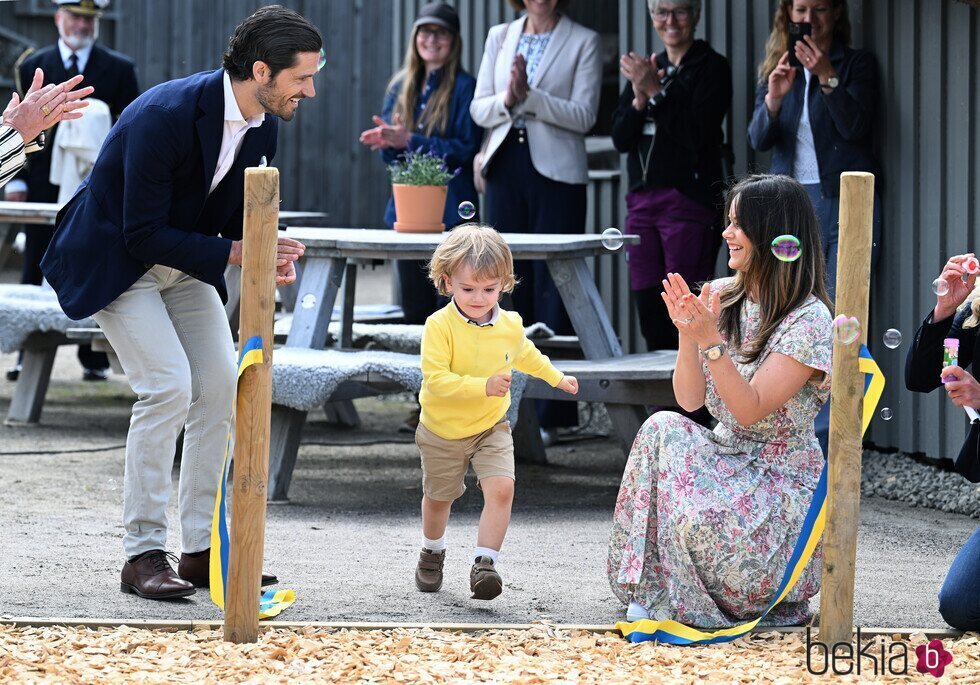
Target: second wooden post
[
  {"x": 254, "y": 407},
  {"x": 846, "y": 409}
]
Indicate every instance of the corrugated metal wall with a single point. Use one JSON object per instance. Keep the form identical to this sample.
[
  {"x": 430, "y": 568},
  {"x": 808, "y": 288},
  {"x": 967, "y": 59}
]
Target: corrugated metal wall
[
  {"x": 929, "y": 58},
  {"x": 323, "y": 165}
]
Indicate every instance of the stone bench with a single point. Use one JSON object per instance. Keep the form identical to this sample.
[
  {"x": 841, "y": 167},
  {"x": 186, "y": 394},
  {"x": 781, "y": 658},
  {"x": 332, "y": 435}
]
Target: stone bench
[
  {"x": 304, "y": 379},
  {"x": 32, "y": 320}
]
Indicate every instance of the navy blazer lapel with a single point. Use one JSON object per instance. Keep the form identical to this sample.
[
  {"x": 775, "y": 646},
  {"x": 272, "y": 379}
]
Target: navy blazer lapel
[
  {"x": 54, "y": 70},
  {"x": 96, "y": 65},
  {"x": 210, "y": 125}
]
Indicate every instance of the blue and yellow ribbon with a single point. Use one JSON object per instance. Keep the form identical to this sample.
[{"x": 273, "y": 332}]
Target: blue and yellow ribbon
[
  {"x": 271, "y": 602},
  {"x": 674, "y": 633}
]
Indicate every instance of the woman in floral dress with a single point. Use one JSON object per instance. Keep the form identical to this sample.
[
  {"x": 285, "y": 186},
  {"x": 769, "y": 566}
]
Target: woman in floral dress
[{"x": 706, "y": 521}]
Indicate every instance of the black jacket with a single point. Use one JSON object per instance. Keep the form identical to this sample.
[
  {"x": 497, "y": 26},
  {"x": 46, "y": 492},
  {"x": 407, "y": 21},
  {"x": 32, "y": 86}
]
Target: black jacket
[
  {"x": 842, "y": 120},
  {"x": 925, "y": 359},
  {"x": 686, "y": 151},
  {"x": 111, "y": 73}
]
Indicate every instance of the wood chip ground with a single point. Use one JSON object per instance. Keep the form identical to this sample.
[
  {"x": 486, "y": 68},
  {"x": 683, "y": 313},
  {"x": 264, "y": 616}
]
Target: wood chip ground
[{"x": 542, "y": 654}]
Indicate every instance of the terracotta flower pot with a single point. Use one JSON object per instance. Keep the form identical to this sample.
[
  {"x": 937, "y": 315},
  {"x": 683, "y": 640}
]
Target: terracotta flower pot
[{"x": 419, "y": 209}]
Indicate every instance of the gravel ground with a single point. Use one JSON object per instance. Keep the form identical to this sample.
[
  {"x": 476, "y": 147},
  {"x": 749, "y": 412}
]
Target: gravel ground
[{"x": 348, "y": 540}]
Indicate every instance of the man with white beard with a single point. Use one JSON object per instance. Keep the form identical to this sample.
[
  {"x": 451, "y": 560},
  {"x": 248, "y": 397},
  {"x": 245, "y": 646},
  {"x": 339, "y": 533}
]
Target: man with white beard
[{"x": 113, "y": 75}]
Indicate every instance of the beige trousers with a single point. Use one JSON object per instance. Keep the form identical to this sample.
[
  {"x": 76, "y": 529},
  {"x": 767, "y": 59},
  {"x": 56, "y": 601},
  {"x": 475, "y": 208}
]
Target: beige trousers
[{"x": 174, "y": 343}]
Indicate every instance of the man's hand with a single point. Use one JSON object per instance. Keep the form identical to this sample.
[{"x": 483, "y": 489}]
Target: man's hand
[
  {"x": 286, "y": 274},
  {"x": 569, "y": 384},
  {"x": 498, "y": 385},
  {"x": 288, "y": 250}
]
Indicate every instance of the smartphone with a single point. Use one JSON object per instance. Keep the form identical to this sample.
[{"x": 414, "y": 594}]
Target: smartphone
[{"x": 796, "y": 32}]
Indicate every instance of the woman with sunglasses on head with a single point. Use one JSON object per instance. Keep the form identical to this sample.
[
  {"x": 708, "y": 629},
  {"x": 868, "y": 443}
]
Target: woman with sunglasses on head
[
  {"x": 706, "y": 521},
  {"x": 427, "y": 108}
]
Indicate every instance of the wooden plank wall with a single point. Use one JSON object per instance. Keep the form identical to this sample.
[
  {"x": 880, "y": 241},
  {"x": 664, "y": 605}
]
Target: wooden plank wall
[
  {"x": 929, "y": 61},
  {"x": 323, "y": 166}
]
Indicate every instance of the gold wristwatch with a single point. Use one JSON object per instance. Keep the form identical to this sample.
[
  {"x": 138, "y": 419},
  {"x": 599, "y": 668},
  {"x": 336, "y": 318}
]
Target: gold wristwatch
[{"x": 714, "y": 352}]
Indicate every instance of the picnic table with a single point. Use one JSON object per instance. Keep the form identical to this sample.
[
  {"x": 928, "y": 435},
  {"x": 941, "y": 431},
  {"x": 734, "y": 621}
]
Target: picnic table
[
  {"x": 329, "y": 262},
  {"x": 43, "y": 213},
  {"x": 41, "y": 346}
]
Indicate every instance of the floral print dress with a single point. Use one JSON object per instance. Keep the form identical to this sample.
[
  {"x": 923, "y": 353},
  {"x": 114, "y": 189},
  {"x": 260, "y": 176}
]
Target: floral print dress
[{"x": 706, "y": 521}]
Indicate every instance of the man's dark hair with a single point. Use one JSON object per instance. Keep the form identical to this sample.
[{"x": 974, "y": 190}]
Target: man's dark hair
[{"x": 273, "y": 35}]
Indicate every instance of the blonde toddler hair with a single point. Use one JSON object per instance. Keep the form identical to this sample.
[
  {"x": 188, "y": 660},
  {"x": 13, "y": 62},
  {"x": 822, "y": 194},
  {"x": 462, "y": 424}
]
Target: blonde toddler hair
[{"x": 477, "y": 246}]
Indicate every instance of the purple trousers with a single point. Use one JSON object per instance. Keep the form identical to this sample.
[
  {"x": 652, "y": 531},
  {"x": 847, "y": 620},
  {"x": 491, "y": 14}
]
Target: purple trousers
[{"x": 677, "y": 235}]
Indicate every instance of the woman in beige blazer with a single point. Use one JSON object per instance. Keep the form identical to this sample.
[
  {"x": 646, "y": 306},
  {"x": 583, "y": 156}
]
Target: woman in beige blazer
[{"x": 537, "y": 94}]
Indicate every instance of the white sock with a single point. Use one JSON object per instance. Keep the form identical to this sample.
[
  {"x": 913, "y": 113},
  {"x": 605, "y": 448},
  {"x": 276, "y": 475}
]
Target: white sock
[
  {"x": 636, "y": 612},
  {"x": 434, "y": 545},
  {"x": 486, "y": 552}
]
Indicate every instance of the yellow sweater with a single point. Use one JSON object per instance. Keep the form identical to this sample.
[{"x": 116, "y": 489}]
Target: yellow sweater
[{"x": 457, "y": 359}]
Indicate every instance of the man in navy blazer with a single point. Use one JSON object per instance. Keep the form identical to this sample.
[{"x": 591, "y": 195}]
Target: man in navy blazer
[
  {"x": 113, "y": 75},
  {"x": 142, "y": 247}
]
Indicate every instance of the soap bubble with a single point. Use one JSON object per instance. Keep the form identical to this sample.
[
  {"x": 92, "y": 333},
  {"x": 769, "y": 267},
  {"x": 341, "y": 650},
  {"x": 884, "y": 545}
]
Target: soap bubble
[
  {"x": 786, "y": 248},
  {"x": 940, "y": 287},
  {"x": 308, "y": 301},
  {"x": 892, "y": 338},
  {"x": 467, "y": 210},
  {"x": 321, "y": 60},
  {"x": 612, "y": 239},
  {"x": 886, "y": 413},
  {"x": 846, "y": 329}
]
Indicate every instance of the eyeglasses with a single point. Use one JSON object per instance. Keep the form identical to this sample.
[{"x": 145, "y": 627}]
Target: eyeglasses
[
  {"x": 679, "y": 14},
  {"x": 435, "y": 33}
]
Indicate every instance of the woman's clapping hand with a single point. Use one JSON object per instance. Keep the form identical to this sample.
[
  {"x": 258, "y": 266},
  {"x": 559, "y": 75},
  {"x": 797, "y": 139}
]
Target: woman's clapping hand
[
  {"x": 385, "y": 135},
  {"x": 643, "y": 74},
  {"x": 696, "y": 317},
  {"x": 517, "y": 87}
]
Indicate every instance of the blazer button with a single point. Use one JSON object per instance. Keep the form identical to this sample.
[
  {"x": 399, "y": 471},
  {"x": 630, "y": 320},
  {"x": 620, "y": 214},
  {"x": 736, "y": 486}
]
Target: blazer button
[{"x": 148, "y": 266}]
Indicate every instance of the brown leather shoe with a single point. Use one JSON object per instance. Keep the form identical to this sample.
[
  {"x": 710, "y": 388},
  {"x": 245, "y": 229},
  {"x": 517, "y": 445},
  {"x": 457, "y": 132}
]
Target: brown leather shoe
[
  {"x": 152, "y": 577},
  {"x": 485, "y": 582},
  {"x": 197, "y": 570},
  {"x": 428, "y": 572}
]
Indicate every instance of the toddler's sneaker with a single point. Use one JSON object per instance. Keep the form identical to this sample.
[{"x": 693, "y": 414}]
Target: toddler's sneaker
[
  {"x": 428, "y": 573},
  {"x": 485, "y": 582}
]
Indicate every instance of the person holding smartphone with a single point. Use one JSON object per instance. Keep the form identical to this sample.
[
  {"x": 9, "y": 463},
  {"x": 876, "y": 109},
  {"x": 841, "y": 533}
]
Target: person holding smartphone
[{"x": 817, "y": 118}]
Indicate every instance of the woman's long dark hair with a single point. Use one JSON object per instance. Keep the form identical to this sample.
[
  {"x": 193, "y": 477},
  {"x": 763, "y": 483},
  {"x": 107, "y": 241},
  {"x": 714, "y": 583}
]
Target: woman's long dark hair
[{"x": 765, "y": 207}]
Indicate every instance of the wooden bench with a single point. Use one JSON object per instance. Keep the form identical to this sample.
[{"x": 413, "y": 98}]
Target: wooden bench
[{"x": 636, "y": 381}]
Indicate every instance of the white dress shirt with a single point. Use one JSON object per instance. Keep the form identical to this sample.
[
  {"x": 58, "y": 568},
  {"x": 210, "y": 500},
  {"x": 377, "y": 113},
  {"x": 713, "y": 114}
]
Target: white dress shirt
[
  {"x": 233, "y": 135},
  {"x": 66, "y": 53}
]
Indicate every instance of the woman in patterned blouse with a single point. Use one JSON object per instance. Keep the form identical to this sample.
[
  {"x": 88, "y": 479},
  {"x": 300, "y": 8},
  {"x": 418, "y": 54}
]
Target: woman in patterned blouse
[{"x": 537, "y": 94}]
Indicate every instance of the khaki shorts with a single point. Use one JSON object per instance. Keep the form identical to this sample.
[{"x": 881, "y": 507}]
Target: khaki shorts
[{"x": 444, "y": 462}]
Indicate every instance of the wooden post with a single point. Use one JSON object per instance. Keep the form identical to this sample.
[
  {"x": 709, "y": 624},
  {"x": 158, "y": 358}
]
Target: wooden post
[
  {"x": 846, "y": 408},
  {"x": 254, "y": 407}
]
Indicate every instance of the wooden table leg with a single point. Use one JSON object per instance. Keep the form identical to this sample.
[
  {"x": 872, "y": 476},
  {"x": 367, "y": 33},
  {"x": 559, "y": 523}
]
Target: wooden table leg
[
  {"x": 321, "y": 279},
  {"x": 595, "y": 333},
  {"x": 32, "y": 386},
  {"x": 315, "y": 301},
  {"x": 8, "y": 233}
]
